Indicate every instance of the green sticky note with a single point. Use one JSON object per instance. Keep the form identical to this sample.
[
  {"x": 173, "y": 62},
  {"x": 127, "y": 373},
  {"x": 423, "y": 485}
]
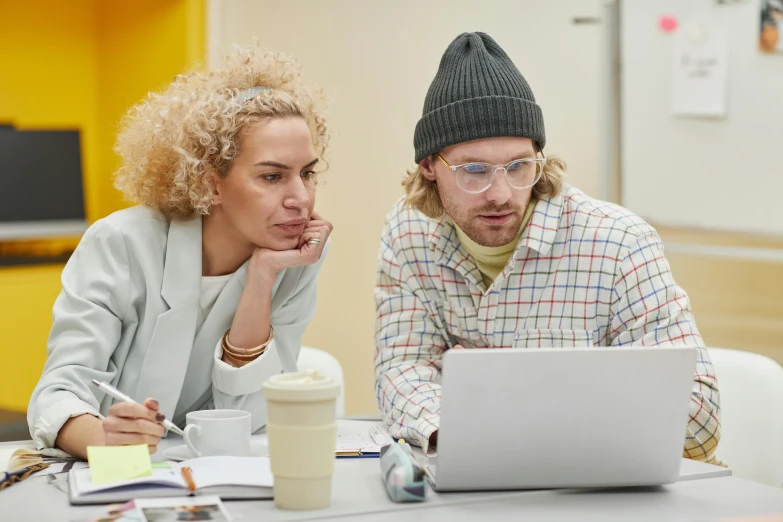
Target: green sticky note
[
  {"x": 161, "y": 465},
  {"x": 117, "y": 463}
]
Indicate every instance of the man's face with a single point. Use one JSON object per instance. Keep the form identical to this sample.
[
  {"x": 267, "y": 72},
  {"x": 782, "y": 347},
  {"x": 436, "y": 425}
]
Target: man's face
[{"x": 493, "y": 217}]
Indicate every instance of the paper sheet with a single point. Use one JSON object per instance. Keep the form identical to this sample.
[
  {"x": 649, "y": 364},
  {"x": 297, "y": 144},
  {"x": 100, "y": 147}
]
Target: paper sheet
[
  {"x": 366, "y": 439},
  {"x": 700, "y": 74},
  {"x": 353, "y": 436}
]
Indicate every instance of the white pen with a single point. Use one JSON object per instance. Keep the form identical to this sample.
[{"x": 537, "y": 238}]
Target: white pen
[{"x": 117, "y": 394}]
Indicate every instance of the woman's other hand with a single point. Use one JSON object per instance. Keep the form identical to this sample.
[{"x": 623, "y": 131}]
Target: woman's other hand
[{"x": 130, "y": 423}]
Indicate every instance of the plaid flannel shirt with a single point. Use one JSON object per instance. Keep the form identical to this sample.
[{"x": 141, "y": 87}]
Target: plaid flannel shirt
[{"x": 584, "y": 271}]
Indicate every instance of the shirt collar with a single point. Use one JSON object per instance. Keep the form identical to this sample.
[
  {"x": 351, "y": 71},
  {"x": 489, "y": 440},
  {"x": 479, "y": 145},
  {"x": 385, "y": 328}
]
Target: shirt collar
[{"x": 539, "y": 235}]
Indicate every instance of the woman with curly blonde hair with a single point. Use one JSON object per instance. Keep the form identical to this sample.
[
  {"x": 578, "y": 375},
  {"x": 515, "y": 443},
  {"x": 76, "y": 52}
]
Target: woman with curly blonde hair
[{"x": 202, "y": 291}]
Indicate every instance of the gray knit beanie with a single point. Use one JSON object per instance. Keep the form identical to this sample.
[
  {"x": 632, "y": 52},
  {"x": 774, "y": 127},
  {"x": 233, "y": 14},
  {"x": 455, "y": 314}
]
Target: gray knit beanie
[{"x": 477, "y": 93}]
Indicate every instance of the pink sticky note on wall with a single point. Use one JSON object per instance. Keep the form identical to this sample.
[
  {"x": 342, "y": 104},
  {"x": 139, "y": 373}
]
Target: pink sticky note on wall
[{"x": 668, "y": 24}]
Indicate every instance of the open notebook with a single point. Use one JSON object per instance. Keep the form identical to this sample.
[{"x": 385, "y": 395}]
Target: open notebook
[{"x": 227, "y": 477}]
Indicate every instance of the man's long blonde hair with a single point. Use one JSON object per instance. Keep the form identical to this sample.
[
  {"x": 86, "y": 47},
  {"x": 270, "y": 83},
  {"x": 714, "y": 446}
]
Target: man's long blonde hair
[{"x": 422, "y": 194}]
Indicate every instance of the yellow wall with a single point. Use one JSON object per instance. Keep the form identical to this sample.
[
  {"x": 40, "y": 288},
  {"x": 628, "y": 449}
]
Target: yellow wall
[
  {"x": 143, "y": 45},
  {"x": 79, "y": 66},
  {"x": 26, "y": 297}
]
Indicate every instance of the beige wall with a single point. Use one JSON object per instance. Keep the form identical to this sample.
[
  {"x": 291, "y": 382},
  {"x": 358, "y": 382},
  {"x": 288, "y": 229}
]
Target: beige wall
[
  {"x": 735, "y": 282},
  {"x": 376, "y": 60}
]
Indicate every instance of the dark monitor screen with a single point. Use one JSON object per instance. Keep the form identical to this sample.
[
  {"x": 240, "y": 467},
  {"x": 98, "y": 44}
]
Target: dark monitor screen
[{"x": 40, "y": 176}]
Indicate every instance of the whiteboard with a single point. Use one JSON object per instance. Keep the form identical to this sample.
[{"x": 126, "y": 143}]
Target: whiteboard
[{"x": 716, "y": 173}]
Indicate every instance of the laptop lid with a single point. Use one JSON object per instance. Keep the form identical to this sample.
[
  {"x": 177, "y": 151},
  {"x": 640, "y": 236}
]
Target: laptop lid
[{"x": 548, "y": 418}]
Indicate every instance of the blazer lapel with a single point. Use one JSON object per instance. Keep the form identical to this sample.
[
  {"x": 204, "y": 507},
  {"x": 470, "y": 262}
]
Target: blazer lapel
[{"x": 165, "y": 362}]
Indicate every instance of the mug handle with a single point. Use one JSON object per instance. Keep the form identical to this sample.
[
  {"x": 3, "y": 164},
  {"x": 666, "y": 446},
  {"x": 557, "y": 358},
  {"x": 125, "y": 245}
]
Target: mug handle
[{"x": 187, "y": 436}]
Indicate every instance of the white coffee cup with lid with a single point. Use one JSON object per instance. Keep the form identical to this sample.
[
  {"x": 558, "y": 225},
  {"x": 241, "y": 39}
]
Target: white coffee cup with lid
[{"x": 302, "y": 437}]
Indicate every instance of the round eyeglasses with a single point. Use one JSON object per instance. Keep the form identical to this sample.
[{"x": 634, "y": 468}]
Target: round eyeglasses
[{"x": 476, "y": 177}]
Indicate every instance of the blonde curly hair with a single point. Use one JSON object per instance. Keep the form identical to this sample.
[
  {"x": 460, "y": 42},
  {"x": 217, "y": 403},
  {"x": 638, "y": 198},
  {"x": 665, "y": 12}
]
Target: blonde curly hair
[
  {"x": 171, "y": 141},
  {"x": 422, "y": 194}
]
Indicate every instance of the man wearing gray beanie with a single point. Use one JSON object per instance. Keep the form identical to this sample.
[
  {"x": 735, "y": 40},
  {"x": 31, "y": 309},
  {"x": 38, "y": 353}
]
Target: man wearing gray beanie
[{"x": 489, "y": 248}]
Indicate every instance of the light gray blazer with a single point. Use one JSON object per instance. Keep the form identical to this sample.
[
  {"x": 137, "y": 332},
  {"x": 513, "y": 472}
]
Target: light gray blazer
[{"x": 127, "y": 315}]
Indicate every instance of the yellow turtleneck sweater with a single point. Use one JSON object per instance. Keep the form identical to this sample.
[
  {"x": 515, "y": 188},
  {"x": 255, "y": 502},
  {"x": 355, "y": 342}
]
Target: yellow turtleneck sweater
[{"x": 492, "y": 260}]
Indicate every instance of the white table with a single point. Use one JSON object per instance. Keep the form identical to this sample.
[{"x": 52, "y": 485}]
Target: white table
[{"x": 705, "y": 493}]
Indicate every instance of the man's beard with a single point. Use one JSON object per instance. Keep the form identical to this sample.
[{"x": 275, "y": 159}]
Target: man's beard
[{"x": 483, "y": 233}]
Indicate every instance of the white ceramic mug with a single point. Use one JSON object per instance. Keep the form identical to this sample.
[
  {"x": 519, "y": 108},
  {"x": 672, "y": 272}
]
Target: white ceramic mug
[{"x": 218, "y": 432}]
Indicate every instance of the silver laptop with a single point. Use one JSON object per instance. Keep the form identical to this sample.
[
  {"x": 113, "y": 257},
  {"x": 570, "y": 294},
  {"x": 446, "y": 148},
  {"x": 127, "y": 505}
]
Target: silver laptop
[{"x": 555, "y": 418}]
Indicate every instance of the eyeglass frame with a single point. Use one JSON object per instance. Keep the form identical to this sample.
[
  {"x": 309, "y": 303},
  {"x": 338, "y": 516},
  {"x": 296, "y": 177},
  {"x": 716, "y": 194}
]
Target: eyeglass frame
[{"x": 539, "y": 161}]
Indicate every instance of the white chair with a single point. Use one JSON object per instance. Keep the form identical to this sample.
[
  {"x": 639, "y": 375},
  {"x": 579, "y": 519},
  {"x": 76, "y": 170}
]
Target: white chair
[
  {"x": 751, "y": 396},
  {"x": 326, "y": 364}
]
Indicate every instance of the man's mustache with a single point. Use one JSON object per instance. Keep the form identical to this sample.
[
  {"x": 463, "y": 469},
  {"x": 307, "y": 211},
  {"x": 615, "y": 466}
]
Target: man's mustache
[{"x": 503, "y": 209}]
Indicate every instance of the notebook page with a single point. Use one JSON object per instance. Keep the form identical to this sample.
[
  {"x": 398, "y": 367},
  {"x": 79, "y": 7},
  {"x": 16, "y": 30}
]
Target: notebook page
[
  {"x": 353, "y": 436},
  {"x": 230, "y": 471},
  {"x": 165, "y": 477},
  {"x": 349, "y": 441}
]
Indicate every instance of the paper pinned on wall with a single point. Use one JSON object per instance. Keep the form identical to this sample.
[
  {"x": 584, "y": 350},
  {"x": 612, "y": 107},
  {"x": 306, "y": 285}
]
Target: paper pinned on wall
[{"x": 700, "y": 74}]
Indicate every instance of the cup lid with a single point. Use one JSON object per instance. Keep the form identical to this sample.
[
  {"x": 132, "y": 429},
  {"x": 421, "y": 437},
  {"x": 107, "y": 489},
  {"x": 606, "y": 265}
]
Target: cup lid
[{"x": 305, "y": 385}]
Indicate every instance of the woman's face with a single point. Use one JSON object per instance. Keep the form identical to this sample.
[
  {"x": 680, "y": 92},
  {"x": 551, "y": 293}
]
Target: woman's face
[{"x": 268, "y": 193}]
